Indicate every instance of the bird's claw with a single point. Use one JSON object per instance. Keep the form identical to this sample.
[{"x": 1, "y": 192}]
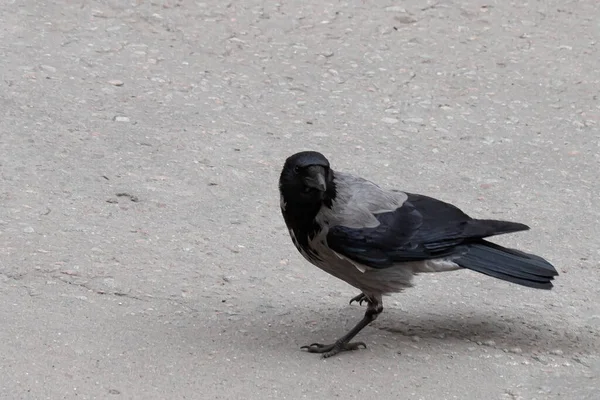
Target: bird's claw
[
  {"x": 328, "y": 350},
  {"x": 361, "y": 298}
]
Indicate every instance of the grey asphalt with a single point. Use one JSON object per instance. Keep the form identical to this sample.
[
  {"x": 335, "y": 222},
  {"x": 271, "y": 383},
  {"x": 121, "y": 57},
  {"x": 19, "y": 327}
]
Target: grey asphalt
[{"x": 142, "y": 250}]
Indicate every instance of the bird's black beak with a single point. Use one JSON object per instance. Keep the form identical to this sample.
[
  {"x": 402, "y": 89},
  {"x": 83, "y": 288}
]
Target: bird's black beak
[{"x": 315, "y": 178}]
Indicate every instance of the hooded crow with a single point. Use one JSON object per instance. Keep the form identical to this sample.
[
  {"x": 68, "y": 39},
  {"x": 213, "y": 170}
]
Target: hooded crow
[{"x": 377, "y": 239}]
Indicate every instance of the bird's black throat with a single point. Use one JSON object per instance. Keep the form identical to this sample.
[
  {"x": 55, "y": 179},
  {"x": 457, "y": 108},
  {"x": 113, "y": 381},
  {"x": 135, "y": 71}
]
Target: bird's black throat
[{"x": 300, "y": 212}]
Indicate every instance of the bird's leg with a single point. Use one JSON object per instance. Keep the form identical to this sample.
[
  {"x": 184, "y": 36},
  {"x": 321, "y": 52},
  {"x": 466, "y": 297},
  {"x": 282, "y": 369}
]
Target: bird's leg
[
  {"x": 361, "y": 298},
  {"x": 374, "y": 308}
]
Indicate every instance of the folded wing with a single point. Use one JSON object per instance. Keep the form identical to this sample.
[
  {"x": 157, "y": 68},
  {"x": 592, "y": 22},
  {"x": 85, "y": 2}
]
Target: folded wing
[{"x": 424, "y": 228}]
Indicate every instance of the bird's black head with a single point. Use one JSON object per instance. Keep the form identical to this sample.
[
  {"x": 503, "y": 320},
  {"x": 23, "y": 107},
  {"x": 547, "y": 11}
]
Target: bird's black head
[{"x": 306, "y": 182}]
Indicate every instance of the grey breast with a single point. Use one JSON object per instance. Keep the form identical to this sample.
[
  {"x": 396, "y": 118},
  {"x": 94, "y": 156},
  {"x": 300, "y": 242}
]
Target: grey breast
[{"x": 356, "y": 202}]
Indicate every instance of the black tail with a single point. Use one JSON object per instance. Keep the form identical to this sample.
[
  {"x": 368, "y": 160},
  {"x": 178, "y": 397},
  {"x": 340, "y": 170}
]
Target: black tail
[{"x": 508, "y": 264}]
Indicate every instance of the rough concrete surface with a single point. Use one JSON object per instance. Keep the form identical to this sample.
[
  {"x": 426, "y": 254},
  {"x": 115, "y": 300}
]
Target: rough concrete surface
[{"x": 142, "y": 250}]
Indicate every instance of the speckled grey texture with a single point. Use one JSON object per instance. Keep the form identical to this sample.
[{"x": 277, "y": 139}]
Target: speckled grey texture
[{"x": 142, "y": 252}]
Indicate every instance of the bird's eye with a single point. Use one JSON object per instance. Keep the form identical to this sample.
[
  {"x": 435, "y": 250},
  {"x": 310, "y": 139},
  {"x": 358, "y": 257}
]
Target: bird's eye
[{"x": 296, "y": 169}]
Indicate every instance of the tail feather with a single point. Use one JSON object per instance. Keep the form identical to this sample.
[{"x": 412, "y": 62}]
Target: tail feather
[{"x": 508, "y": 264}]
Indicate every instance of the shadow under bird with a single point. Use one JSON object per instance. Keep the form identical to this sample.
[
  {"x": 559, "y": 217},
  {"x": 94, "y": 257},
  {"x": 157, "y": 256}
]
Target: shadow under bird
[{"x": 377, "y": 240}]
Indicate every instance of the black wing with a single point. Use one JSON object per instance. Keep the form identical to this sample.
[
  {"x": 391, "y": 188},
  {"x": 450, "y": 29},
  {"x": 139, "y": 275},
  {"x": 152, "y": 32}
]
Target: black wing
[{"x": 422, "y": 228}]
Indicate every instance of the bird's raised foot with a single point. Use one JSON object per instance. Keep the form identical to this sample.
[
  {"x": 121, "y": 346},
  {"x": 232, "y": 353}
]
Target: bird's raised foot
[
  {"x": 328, "y": 350},
  {"x": 361, "y": 298}
]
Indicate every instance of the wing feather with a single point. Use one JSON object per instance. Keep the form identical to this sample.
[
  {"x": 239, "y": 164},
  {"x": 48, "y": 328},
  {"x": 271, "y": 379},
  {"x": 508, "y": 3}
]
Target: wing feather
[{"x": 422, "y": 228}]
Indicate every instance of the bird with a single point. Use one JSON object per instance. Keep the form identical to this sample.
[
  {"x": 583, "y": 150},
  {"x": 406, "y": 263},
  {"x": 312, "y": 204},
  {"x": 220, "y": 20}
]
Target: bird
[{"x": 377, "y": 239}]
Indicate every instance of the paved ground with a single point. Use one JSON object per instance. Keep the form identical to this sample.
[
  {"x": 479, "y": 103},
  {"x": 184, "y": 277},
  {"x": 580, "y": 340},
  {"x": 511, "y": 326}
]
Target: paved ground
[{"x": 142, "y": 253}]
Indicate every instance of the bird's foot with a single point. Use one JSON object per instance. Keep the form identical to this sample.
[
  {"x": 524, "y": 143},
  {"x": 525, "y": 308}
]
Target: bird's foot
[
  {"x": 328, "y": 350},
  {"x": 361, "y": 298}
]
